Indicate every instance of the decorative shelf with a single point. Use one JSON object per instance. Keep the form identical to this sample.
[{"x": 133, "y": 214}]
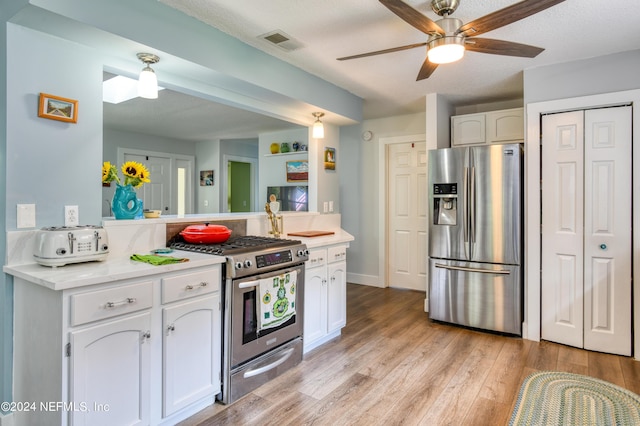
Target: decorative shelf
[{"x": 287, "y": 153}]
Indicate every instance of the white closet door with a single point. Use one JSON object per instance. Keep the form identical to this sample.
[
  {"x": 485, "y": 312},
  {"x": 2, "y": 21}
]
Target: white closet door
[
  {"x": 586, "y": 229},
  {"x": 562, "y": 228},
  {"x": 607, "y": 235},
  {"x": 407, "y": 235}
]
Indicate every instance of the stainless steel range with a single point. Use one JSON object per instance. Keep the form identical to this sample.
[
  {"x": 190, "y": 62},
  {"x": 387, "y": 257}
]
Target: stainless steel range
[{"x": 263, "y": 312}]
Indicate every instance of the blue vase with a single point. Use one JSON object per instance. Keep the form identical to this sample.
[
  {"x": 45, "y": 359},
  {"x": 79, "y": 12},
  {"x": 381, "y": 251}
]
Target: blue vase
[{"x": 125, "y": 203}]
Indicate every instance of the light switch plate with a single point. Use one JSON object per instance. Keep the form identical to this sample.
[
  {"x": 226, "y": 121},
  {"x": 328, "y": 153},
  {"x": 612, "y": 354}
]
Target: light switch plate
[{"x": 26, "y": 216}]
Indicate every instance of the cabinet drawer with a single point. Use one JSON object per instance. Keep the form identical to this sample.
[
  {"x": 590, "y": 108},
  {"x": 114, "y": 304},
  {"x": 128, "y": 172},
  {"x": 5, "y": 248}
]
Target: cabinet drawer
[
  {"x": 336, "y": 253},
  {"x": 101, "y": 304},
  {"x": 317, "y": 257},
  {"x": 191, "y": 284}
]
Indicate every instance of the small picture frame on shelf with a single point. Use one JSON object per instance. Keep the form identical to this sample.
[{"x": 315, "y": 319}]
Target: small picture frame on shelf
[{"x": 58, "y": 108}]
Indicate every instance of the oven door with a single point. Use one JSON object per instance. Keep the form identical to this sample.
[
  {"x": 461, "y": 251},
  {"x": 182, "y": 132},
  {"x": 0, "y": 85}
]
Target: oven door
[{"x": 247, "y": 341}]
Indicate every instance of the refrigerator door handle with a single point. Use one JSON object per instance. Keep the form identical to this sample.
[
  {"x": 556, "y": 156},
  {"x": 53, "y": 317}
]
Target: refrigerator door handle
[
  {"x": 472, "y": 205},
  {"x": 480, "y": 270},
  {"x": 465, "y": 205}
]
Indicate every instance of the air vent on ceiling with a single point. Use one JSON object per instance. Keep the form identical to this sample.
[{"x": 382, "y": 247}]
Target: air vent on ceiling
[{"x": 281, "y": 40}]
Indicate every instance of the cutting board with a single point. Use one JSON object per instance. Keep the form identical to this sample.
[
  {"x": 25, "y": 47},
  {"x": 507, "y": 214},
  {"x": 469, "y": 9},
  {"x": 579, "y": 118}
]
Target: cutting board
[{"x": 310, "y": 233}]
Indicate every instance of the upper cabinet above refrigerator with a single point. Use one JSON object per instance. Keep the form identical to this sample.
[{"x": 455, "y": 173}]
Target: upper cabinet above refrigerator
[{"x": 504, "y": 126}]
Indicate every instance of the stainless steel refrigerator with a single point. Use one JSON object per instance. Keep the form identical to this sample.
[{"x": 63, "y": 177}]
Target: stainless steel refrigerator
[{"x": 475, "y": 237}]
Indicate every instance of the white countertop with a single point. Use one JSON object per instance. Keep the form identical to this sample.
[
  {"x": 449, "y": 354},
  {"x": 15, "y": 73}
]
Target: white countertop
[
  {"x": 90, "y": 273},
  {"x": 325, "y": 240}
]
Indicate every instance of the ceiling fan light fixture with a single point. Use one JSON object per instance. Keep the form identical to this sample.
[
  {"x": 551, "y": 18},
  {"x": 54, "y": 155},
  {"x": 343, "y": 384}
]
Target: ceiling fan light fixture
[
  {"x": 444, "y": 50},
  {"x": 318, "y": 127},
  {"x": 147, "y": 81}
]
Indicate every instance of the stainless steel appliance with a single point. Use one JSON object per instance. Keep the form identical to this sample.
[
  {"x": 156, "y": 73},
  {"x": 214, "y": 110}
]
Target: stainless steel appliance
[
  {"x": 62, "y": 245},
  {"x": 475, "y": 237},
  {"x": 253, "y": 355}
]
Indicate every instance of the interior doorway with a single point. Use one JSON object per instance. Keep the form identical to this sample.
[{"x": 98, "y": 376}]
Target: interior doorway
[
  {"x": 240, "y": 182},
  {"x": 586, "y": 229},
  {"x": 171, "y": 187},
  {"x": 239, "y": 187}
]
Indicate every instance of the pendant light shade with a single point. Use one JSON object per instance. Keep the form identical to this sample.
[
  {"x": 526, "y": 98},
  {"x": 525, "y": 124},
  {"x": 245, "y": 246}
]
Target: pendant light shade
[
  {"x": 318, "y": 127},
  {"x": 148, "y": 82}
]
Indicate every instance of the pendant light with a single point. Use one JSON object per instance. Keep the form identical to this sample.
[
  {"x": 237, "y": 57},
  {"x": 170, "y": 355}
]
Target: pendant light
[
  {"x": 148, "y": 82},
  {"x": 318, "y": 127}
]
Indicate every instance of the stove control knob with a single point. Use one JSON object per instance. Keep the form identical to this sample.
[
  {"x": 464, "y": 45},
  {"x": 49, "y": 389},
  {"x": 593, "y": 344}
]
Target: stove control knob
[
  {"x": 238, "y": 265},
  {"x": 248, "y": 263},
  {"x": 302, "y": 253}
]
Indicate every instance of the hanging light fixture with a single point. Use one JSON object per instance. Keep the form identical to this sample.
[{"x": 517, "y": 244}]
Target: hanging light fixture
[
  {"x": 318, "y": 127},
  {"x": 148, "y": 82},
  {"x": 449, "y": 47},
  {"x": 445, "y": 50}
]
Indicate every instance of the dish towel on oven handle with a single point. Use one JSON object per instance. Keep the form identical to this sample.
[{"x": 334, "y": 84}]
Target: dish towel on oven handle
[{"x": 277, "y": 300}]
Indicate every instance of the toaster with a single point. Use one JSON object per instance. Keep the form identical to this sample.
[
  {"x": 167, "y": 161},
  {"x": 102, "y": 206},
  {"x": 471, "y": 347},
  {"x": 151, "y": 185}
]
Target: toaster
[{"x": 62, "y": 245}]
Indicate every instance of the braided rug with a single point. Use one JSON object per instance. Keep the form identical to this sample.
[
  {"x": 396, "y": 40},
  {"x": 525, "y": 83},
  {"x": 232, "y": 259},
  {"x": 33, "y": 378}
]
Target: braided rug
[{"x": 556, "y": 398}]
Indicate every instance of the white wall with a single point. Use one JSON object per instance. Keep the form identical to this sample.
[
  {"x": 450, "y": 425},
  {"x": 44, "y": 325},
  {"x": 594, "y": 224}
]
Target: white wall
[{"x": 359, "y": 167}]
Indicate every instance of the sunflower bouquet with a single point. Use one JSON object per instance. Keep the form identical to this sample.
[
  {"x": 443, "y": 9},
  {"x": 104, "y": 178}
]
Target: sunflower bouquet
[{"x": 135, "y": 174}]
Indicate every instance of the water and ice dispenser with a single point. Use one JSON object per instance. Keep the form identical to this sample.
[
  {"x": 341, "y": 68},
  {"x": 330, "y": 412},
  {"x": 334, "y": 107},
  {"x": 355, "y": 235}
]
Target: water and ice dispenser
[{"x": 445, "y": 203}]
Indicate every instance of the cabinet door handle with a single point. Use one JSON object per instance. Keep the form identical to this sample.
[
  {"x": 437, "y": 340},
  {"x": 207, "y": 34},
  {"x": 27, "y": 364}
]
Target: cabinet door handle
[
  {"x": 146, "y": 335},
  {"x": 171, "y": 328},
  {"x": 202, "y": 284},
  {"x": 126, "y": 301}
]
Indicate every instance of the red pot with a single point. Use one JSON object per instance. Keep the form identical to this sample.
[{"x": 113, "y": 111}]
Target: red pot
[{"x": 206, "y": 234}]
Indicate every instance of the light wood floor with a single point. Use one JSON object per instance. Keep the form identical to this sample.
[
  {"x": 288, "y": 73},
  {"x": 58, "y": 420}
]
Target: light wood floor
[{"x": 392, "y": 366}]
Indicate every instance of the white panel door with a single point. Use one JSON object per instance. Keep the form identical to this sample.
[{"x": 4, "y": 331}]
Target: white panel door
[
  {"x": 586, "y": 229},
  {"x": 407, "y": 234},
  {"x": 157, "y": 194},
  {"x": 607, "y": 243},
  {"x": 562, "y": 228}
]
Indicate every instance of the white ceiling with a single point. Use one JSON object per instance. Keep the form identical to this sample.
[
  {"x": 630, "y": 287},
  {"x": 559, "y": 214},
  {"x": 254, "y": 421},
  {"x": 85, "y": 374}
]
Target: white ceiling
[{"x": 328, "y": 29}]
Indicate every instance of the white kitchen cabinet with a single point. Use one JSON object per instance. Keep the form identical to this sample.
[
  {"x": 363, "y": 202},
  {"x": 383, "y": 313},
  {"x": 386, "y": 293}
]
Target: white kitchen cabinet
[
  {"x": 325, "y": 298},
  {"x": 503, "y": 126},
  {"x": 133, "y": 351},
  {"x": 191, "y": 352},
  {"x": 468, "y": 129},
  {"x": 110, "y": 370}
]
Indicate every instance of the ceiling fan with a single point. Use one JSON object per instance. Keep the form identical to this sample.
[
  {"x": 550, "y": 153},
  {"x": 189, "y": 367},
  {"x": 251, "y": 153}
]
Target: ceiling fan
[{"x": 449, "y": 37}]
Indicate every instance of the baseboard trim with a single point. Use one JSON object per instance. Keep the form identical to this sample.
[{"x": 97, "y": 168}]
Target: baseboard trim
[{"x": 370, "y": 280}]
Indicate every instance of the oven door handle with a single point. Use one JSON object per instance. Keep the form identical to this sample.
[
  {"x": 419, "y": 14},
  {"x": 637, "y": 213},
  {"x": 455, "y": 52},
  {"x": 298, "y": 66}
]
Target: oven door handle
[
  {"x": 257, "y": 371},
  {"x": 249, "y": 284}
]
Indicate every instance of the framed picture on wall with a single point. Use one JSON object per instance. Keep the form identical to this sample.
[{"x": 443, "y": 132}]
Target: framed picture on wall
[
  {"x": 329, "y": 158},
  {"x": 206, "y": 178},
  {"x": 297, "y": 171},
  {"x": 57, "y": 108}
]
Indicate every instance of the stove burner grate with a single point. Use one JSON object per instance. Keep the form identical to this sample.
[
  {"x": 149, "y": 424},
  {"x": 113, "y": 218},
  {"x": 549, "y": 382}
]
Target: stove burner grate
[{"x": 235, "y": 245}]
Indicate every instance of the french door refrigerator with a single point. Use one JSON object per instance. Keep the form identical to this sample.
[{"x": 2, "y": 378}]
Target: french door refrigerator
[{"x": 475, "y": 237}]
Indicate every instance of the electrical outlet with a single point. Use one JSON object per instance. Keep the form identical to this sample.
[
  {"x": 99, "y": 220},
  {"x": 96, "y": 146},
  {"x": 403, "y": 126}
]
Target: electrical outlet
[
  {"x": 71, "y": 216},
  {"x": 325, "y": 207},
  {"x": 330, "y": 206},
  {"x": 206, "y": 203}
]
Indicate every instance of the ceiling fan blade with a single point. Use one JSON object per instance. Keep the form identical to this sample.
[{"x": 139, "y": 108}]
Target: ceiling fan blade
[
  {"x": 501, "y": 47},
  {"x": 505, "y": 16},
  {"x": 412, "y": 16},
  {"x": 380, "y": 52},
  {"x": 426, "y": 70}
]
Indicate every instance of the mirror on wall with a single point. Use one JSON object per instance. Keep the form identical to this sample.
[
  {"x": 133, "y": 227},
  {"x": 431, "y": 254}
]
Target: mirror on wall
[{"x": 182, "y": 125}]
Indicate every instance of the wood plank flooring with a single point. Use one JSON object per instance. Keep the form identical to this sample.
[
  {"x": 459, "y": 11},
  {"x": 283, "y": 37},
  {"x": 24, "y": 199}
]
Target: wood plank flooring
[{"x": 393, "y": 366}]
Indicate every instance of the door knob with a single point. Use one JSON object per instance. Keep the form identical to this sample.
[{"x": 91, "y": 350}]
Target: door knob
[{"x": 603, "y": 246}]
